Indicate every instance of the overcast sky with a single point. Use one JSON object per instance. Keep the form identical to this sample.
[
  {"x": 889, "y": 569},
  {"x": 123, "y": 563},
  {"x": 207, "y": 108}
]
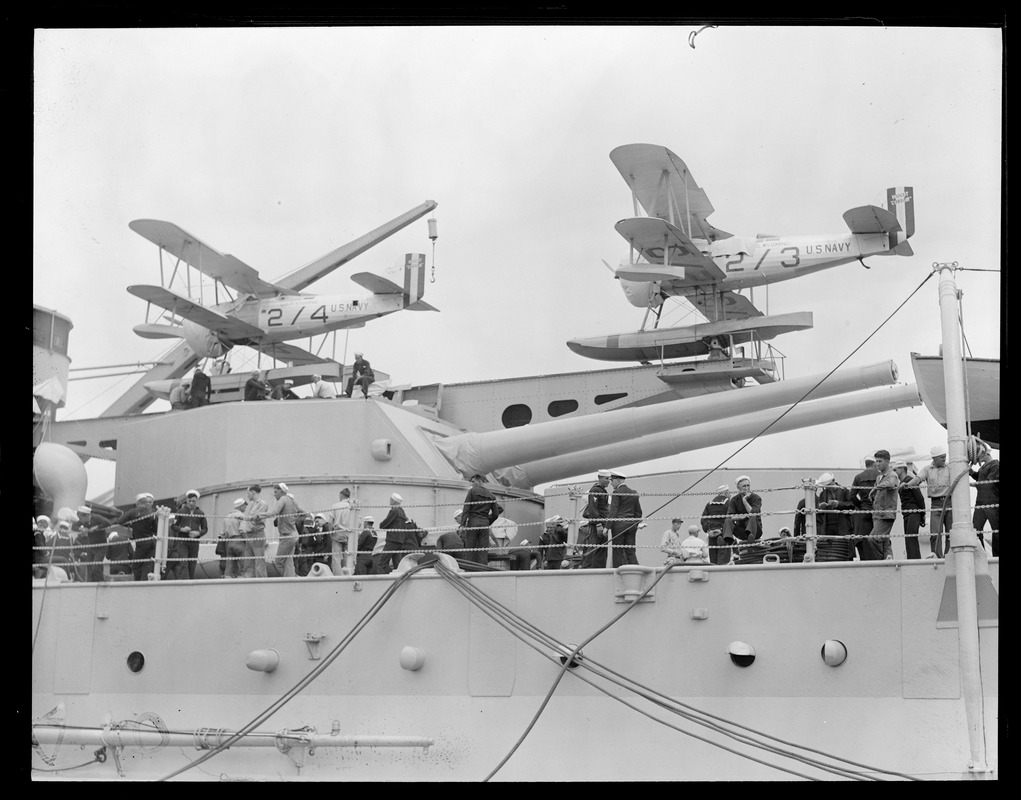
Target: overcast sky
[{"x": 278, "y": 145}]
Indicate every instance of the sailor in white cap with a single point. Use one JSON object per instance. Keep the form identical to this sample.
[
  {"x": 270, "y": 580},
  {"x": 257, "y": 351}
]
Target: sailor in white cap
[
  {"x": 399, "y": 537},
  {"x": 286, "y": 511},
  {"x": 142, "y": 522},
  {"x": 232, "y": 557},
  {"x": 40, "y": 529},
  {"x": 362, "y": 375},
  {"x": 283, "y": 391},
  {"x": 65, "y": 552},
  {"x": 626, "y": 513},
  {"x": 712, "y": 521},
  {"x": 553, "y": 543},
  {"x": 936, "y": 477},
  {"x": 594, "y": 535},
  {"x": 189, "y": 525},
  {"x": 92, "y": 528},
  {"x": 834, "y": 518}
]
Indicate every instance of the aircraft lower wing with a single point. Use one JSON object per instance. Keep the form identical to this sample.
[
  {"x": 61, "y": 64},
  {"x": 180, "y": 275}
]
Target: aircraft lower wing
[
  {"x": 665, "y": 245},
  {"x": 718, "y": 306},
  {"x": 230, "y": 327},
  {"x": 207, "y": 260},
  {"x": 664, "y": 187},
  {"x": 294, "y": 355}
]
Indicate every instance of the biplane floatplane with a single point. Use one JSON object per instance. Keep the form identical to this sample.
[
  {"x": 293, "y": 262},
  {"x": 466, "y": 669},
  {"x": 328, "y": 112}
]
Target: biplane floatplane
[
  {"x": 681, "y": 254},
  {"x": 249, "y": 311}
]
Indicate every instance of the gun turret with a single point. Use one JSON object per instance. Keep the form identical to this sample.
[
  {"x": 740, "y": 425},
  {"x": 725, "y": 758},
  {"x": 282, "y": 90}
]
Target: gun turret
[
  {"x": 471, "y": 453},
  {"x": 709, "y": 434}
]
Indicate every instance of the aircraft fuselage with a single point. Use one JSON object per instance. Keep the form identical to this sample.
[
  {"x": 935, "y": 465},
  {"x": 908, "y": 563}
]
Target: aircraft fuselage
[
  {"x": 293, "y": 316},
  {"x": 785, "y": 257}
]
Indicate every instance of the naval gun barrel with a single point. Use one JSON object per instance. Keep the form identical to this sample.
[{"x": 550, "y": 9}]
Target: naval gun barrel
[
  {"x": 482, "y": 453},
  {"x": 710, "y": 434}
]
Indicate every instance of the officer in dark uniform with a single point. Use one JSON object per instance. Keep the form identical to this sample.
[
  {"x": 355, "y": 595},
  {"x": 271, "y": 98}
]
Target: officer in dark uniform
[
  {"x": 596, "y": 510},
  {"x": 142, "y": 521},
  {"x": 626, "y": 511}
]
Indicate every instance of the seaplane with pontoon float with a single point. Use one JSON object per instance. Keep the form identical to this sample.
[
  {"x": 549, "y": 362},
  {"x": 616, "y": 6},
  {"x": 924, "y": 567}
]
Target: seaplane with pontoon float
[
  {"x": 265, "y": 315},
  {"x": 675, "y": 252}
]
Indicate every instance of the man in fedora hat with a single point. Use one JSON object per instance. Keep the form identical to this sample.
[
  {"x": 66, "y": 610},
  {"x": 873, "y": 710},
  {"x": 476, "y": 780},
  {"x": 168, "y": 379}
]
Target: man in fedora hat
[{"x": 936, "y": 477}]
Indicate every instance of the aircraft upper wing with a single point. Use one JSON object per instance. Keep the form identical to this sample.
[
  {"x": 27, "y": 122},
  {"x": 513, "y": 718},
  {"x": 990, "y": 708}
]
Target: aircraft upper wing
[
  {"x": 322, "y": 266},
  {"x": 190, "y": 310},
  {"x": 735, "y": 306},
  {"x": 655, "y": 239},
  {"x": 207, "y": 260},
  {"x": 664, "y": 187}
]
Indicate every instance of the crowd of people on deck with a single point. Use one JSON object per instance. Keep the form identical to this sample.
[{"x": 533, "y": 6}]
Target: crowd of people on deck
[
  {"x": 196, "y": 390},
  {"x": 857, "y": 520}
]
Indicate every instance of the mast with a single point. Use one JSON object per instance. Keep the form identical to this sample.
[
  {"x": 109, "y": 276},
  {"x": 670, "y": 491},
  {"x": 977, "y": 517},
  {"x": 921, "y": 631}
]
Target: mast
[{"x": 963, "y": 540}]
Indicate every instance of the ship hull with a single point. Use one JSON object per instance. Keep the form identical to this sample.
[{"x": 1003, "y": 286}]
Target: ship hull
[{"x": 894, "y": 704}]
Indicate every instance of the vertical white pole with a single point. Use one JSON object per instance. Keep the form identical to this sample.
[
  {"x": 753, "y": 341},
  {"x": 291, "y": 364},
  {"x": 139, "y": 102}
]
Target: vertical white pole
[
  {"x": 162, "y": 542},
  {"x": 810, "y": 521},
  {"x": 572, "y": 526},
  {"x": 963, "y": 539}
]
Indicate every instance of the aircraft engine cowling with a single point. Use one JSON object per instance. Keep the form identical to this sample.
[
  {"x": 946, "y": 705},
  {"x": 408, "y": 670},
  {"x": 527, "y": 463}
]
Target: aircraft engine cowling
[
  {"x": 205, "y": 343},
  {"x": 643, "y": 294}
]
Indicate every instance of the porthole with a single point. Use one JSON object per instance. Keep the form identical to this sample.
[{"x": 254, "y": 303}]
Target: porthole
[
  {"x": 136, "y": 661},
  {"x": 516, "y": 415},
  {"x": 603, "y": 399},
  {"x": 741, "y": 653},
  {"x": 560, "y": 407}
]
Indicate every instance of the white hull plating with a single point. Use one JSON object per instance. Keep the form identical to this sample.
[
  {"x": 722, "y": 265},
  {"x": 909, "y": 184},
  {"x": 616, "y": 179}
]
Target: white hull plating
[{"x": 894, "y": 704}]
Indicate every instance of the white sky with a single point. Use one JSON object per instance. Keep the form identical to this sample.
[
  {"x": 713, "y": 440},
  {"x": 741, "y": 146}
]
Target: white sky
[{"x": 278, "y": 145}]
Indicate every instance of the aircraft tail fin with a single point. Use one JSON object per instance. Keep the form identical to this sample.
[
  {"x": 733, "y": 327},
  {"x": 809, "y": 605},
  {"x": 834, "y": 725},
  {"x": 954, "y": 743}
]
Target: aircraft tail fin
[
  {"x": 414, "y": 278},
  {"x": 900, "y": 201}
]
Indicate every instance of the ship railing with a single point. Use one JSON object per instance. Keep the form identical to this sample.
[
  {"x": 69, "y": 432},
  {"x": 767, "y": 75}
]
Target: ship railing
[{"x": 80, "y": 555}]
